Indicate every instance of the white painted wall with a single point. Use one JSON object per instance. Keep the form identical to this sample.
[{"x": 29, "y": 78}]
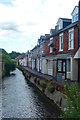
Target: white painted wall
[{"x": 43, "y": 66}]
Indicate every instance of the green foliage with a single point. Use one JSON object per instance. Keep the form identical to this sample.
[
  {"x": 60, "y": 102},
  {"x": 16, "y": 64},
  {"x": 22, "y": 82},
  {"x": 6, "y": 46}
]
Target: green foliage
[
  {"x": 8, "y": 64},
  {"x": 2, "y": 51},
  {"x": 14, "y": 54},
  {"x": 51, "y": 87},
  {"x": 38, "y": 81},
  {"x": 72, "y": 109},
  {"x": 19, "y": 67},
  {"x": 35, "y": 79},
  {"x": 28, "y": 76},
  {"x": 43, "y": 84}
]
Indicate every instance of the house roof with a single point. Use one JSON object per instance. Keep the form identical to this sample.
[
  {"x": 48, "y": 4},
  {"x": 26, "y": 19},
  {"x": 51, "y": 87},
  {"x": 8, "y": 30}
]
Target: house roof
[
  {"x": 66, "y": 28},
  {"x": 74, "y": 9},
  {"x": 66, "y": 19},
  {"x": 20, "y": 56}
]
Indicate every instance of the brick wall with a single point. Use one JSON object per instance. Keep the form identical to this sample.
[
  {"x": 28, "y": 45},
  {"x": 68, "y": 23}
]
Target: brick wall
[{"x": 65, "y": 44}]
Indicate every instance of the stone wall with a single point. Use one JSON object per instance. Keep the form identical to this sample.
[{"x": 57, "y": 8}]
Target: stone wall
[{"x": 56, "y": 95}]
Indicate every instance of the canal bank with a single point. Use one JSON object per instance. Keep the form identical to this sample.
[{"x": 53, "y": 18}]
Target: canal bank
[
  {"x": 48, "y": 87},
  {"x": 21, "y": 100}
]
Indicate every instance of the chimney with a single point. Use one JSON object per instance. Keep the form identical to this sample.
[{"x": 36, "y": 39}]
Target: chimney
[{"x": 79, "y": 21}]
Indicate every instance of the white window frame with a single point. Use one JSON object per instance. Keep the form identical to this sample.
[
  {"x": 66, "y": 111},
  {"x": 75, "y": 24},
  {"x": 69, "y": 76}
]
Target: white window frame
[
  {"x": 68, "y": 64},
  {"x": 71, "y": 30},
  {"x": 61, "y": 35},
  {"x": 51, "y": 49}
]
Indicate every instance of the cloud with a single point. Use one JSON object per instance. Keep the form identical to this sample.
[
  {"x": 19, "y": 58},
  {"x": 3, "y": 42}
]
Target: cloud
[
  {"x": 9, "y": 26},
  {"x": 26, "y": 20}
]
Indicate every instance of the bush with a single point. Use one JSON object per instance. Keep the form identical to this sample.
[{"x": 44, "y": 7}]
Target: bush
[
  {"x": 38, "y": 81},
  {"x": 43, "y": 84},
  {"x": 9, "y": 64},
  {"x": 51, "y": 87},
  {"x": 29, "y": 76},
  {"x": 72, "y": 109},
  {"x": 35, "y": 79}
]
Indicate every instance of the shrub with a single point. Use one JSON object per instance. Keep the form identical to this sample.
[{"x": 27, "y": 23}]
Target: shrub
[
  {"x": 43, "y": 84},
  {"x": 51, "y": 87},
  {"x": 35, "y": 79},
  {"x": 72, "y": 109},
  {"x": 29, "y": 76},
  {"x": 38, "y": 81},
  {"x": 20, "y": 67},
  {"x": 9, "y": 64}
]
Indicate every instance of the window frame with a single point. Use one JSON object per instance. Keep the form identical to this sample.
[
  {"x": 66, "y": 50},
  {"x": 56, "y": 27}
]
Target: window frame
[
  {"x": 62, "y": 60},
  {"x": 51, "y": 49},
  {"x": 60, "y": 42},
  {"x": 71, "y": 31},
  {"x": 68, "y": 71}
]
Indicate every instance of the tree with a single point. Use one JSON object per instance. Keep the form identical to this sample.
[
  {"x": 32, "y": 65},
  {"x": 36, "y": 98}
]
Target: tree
[
  {"x": 9, "y": 64},
  {"x": 14, "y": 54}
]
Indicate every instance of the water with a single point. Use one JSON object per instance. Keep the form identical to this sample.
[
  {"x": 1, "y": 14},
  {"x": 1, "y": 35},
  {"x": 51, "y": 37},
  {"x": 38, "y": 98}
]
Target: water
[{"x": 21, "y": 100}]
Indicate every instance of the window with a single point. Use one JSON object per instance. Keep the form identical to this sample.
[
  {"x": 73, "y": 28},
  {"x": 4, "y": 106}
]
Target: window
[
  {"x": 73, "y": 18},
  {"x": 76, "y": 17},
  {"x": 61, "y": 42},
  {"x": 51, "y": 41},
  {"x": 68, "y": 65},
  {"x": 51, "y": 49},
  {"x": 61, "y": 66},
  {"x": 71, "y": 39}
]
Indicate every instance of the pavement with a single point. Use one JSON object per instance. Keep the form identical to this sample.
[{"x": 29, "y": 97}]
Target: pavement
[{"x": 44, "y": 76}]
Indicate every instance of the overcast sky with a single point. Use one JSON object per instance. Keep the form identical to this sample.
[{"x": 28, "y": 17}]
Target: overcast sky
[{"x": 23, "y": 21}]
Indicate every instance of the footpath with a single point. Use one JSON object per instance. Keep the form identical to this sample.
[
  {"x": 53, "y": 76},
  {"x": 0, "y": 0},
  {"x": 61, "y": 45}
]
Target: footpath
[{"x": 41, "y": 75}]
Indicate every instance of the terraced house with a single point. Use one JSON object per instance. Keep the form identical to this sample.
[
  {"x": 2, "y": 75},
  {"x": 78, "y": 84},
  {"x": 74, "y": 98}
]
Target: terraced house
[
  {"x": 58, "y": 53},
  {"x": 62, "y": 50}
]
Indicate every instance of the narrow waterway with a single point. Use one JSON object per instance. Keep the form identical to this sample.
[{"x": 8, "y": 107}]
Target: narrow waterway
[{"x": 21, "y": 100}]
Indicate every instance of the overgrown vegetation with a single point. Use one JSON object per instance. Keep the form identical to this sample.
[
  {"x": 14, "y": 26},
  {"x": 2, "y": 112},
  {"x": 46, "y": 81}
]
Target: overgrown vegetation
[
  {"x": 19, "y": 67},
  {"x": 28, "y": 76},
  {"x": 9, "y": 65},
  {"x": 43, "y": 85},
  {"x": 72, "y": 109},
  {"x": 38, "y": 81},
  {"x": 35, "y": 79},
  {"x": 51, "y": 88}
]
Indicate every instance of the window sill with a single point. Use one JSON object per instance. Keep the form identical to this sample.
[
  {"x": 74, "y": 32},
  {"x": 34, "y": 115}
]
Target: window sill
[
  {"x": 50, "y": 52},
  {"x": 69, "y": 72},
  {"x": 70, "y": 48},
  {"x": 60, "y": 50}
]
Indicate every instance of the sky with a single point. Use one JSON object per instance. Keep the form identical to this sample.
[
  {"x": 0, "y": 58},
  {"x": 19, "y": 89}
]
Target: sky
[{"x": 22, "y": 22}]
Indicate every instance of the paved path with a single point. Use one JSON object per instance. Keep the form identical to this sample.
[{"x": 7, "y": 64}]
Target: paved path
[{"x": 44, "y": 76}]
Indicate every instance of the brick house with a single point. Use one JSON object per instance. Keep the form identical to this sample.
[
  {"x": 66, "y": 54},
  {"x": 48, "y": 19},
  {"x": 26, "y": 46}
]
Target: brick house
[
  {"x": 62, "y": 47},
  {"x": 38, "y": 54}
]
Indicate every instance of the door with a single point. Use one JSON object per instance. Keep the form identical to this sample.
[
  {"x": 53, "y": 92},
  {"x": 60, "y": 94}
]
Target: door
[{"x": 61, "y": 70}]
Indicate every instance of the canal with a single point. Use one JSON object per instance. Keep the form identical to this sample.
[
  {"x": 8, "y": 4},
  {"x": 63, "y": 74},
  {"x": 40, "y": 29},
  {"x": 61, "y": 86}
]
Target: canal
[{"x": 20, "y": 99}]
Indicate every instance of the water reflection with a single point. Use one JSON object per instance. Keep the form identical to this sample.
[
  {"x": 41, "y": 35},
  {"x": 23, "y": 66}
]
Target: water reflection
[{"x": 21, "y": 100}]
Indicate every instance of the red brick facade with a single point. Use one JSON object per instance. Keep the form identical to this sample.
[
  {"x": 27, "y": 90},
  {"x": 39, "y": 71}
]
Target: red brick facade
[{"x": 65, "y": 44}]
